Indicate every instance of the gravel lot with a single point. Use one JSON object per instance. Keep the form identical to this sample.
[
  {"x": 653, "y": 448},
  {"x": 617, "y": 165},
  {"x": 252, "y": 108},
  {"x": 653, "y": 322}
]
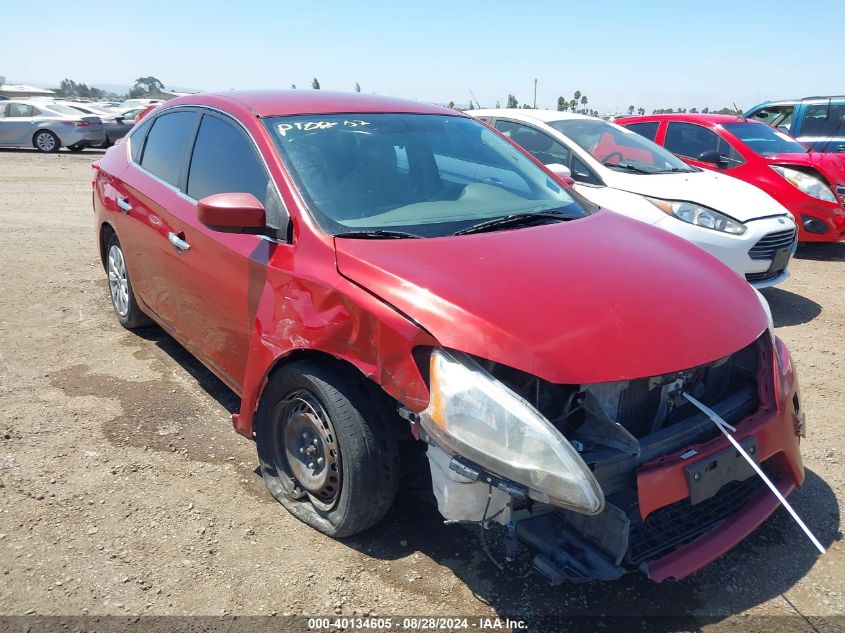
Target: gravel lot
[{"x": 124, "y": 490}]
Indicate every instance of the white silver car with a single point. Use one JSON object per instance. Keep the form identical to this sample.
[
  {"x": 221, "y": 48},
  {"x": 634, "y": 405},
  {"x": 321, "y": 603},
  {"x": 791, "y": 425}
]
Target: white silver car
[
  {"x": 625, "y": 172},
  {"x": 47, "y": 126}
]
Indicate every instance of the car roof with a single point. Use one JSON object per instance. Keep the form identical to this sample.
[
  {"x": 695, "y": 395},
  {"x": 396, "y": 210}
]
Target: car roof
[
  {"x": 530, "y": 113},
  {"x": 265, "y": 103},
  {"x": 715, "y": 119}
]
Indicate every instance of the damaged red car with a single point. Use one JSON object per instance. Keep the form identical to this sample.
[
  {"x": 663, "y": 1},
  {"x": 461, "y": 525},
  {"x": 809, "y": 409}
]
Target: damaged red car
[{"x": 375, "y": 277}]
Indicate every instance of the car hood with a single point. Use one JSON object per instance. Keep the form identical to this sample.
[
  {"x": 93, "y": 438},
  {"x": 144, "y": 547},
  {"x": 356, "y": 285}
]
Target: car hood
[
  {"x": 831, "y": 165},
  {"x": 738, "y": 199},
  {"x": 598, "y": 299}
]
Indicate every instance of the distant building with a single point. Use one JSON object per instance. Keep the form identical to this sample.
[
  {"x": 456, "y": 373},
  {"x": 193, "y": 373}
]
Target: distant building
[{"x": 17, "y": 91}]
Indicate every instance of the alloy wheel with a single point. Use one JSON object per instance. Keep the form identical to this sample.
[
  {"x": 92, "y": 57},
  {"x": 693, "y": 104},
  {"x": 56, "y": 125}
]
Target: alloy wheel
[
  {"x": 46, "y": 142},
  {"x": 118, "y": 281}
]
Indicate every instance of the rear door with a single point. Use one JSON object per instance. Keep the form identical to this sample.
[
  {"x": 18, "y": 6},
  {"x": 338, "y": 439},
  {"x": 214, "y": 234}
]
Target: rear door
[{"x": 17, "y": 124}]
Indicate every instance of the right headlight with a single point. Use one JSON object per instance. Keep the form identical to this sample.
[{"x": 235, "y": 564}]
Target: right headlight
[
  {"x": 476, "y": 416},
  {"x": 809, "y": 184},
  {"x": 699, "y": 215}
]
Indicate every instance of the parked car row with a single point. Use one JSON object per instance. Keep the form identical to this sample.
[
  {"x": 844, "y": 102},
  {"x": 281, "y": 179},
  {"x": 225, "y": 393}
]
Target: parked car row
[
  {"x": 369, "y": 273},
  {"x": 50, "y": 125}
]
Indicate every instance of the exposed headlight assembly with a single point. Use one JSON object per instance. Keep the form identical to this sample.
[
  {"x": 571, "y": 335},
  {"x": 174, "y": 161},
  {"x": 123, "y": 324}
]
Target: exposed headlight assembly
[
  {"x": 476, "y": 416},
  {"x": 809, "y": 184},
  {"x": 699, "y": 215}
]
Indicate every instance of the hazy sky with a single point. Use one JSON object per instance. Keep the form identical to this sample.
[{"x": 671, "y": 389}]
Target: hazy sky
[{"x": 649, "y": 54}]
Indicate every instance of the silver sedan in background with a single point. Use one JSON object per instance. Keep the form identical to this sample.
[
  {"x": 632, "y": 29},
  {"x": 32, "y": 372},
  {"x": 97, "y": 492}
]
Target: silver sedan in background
[
  {"x": 47, "y": 126},
  {"x": 115, "y": 124}
]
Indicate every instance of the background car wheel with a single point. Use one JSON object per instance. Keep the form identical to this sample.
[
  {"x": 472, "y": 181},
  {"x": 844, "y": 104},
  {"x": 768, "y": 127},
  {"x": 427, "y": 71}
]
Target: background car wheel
[
  {"x": 327, "y": 446},
  {"x": 120, "y": 287},
  {"x": 45, "y": 141},
  {"x": 77, "y": 148},
  {"x": 104, "y": 145}
]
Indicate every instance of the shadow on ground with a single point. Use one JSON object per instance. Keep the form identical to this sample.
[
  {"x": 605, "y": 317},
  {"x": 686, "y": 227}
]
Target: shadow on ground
[
  {"x": 789, "y": 308},
  {"x": 61, "y": 152},
  {"x": 822, "y": 252}
]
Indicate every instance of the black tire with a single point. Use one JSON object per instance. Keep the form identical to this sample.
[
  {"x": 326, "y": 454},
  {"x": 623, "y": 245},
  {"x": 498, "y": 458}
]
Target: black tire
[
  {"x": 104, "y": 145},
  {"x": 77, "y": 148},
  {"x": 367, "y": 463},
  {"x": 46, "y": 142},
  {"x": 129, "y": 315}
]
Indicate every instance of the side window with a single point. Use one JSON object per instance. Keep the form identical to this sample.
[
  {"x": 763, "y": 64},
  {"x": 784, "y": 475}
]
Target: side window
[
  {"x": 224, "y": 161},
  {"x": 137, "y": 138},
  {"x": 824, "y": 120},
  {"x": 168, "y": 144},
  {"x": 647, "y": 129},
  {"x": 18, "y": 110},
  {"x": 539, "y": 144},
  {"x": 776, "y": 116},
  {"x": 691, "y": 140},
  {"x": 582, "y": 173}
]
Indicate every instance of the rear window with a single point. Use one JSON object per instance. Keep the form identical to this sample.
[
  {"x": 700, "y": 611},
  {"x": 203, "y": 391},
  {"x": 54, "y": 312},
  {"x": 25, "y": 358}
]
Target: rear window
[
  {"x": 647, "y": 129},
  {"x": 167, "y": 145}
]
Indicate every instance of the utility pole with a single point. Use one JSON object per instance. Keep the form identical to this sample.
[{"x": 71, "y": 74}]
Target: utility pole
[{"x": 535, "y": 94}]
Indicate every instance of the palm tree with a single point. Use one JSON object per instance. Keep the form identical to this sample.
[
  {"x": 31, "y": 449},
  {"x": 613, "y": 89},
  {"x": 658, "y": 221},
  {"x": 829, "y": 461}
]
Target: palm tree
[
  {"x": 641, "y": 111},
  {"x": 584, "y": 104},
  {"x": 631, "y": 109}
]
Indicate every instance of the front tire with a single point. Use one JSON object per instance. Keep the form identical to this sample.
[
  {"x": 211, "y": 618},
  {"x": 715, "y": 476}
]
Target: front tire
[
  {"x": 122, "y": 295},
  {"x": 46, "y": 142},
  {"x": 327, "y": 447}
]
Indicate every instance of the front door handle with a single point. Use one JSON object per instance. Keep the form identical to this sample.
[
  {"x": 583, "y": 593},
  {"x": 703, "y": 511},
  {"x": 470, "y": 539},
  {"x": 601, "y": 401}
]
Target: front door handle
[
  {"x": 124, "y": 205},
  {"x": 178, "y": 240}
]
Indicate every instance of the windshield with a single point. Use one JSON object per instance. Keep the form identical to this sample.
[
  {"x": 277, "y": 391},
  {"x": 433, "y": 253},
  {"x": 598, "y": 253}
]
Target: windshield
[
  {"x": 765, "y": 140},
  {"x": 619, "y": 148},
  {"x": 428, "y": 175}
]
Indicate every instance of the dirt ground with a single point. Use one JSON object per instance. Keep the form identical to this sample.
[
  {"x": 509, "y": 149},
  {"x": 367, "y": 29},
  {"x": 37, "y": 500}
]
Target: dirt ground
[{"x": 124, "y": 490}]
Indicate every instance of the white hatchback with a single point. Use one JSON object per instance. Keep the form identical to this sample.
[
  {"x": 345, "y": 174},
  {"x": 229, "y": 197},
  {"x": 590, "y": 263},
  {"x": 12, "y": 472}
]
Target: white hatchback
[{"x": 620, "y": 170}]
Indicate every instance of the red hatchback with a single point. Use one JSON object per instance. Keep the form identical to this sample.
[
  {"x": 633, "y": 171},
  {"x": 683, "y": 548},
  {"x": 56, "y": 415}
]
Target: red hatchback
[
  {"x": 811, "y": 185},
  {"x": 377, "y": 278}
]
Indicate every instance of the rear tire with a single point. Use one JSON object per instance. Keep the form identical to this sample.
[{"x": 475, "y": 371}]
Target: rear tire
[
  {"x": 46, "y": 142},
  {"x": 122, "y": 295},
  {"x": 327, "y": 446},
  {"x": 77, "y": 147}
]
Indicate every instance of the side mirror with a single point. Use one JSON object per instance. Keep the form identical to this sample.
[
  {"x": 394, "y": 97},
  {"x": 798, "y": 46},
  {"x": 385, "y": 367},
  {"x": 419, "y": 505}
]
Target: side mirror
[
  {"x": 563, "y": 172},
  {"x": 232, "y": 213},
  {"x": 713, "y": 157}
]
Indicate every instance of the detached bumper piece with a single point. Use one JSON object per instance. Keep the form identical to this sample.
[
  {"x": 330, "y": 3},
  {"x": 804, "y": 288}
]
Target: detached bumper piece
[{"x": 671, "y": 542}]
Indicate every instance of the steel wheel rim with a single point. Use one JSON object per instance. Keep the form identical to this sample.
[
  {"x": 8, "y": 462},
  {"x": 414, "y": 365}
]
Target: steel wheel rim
[
  {"x": 45, "y": 141},
  {"x": 307, "y": 450},
  {"x": 118, "y": 281}
]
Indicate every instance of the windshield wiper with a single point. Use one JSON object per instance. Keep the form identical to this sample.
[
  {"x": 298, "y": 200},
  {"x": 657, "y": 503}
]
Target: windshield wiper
[
  {"x": 672, "y": 170},
  {"x": 377, "y": 234},
  {"x": 629, "y": 167},
  {"x": 514, "y": 220}
]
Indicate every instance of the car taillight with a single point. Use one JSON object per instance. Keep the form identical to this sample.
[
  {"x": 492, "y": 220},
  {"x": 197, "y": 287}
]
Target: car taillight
[{"x": 77, "y": 123}]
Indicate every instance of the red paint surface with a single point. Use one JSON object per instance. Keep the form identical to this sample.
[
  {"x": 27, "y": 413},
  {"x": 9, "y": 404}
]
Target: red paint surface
[{"x": 757, "y": 171}]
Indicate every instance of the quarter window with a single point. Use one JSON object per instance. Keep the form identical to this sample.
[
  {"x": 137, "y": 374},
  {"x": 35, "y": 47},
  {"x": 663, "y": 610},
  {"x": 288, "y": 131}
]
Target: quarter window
[
  {"x": 167, "y": 145},
  {"x": 647, "y": 129}
]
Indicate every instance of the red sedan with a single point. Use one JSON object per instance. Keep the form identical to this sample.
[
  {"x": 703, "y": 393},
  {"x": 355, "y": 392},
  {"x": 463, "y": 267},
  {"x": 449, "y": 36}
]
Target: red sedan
[
  {"x": 369, "y": 273},
  {"x": 811, "y": 185}
]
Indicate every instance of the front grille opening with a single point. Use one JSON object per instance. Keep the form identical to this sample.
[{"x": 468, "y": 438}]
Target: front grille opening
[
  {"x": 679, "y": 523},
  {"x": 769, "y": 244}
]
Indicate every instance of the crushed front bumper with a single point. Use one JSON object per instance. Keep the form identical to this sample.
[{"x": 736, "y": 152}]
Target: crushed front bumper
[{"x": 657, "y": 528}]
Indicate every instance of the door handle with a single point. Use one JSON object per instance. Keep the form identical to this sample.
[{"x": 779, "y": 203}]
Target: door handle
[
  {"x": 177, "y": 239},
  {"x": 124, "y": 205}
]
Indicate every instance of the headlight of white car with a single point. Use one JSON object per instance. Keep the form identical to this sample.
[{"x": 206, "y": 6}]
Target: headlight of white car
[
  {"x": 476, "y": 416},
  {"x": 809, "y": 184},
  {"x": 699, "y": 215}
]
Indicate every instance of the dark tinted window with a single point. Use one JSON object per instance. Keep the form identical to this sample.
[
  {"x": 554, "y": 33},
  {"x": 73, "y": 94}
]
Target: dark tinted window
[
  {"x": 689, "y": 139},
  {"x": 224, "y": 162},
  {"x": 824, "y": 120},
  {"x": 539, "y": 144},
  {"x": 765, "y": 140},
  {"x": 167, "y": 145},
  {"x": 647, "y": 129},
  {"x": 137, "y": 139}
]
